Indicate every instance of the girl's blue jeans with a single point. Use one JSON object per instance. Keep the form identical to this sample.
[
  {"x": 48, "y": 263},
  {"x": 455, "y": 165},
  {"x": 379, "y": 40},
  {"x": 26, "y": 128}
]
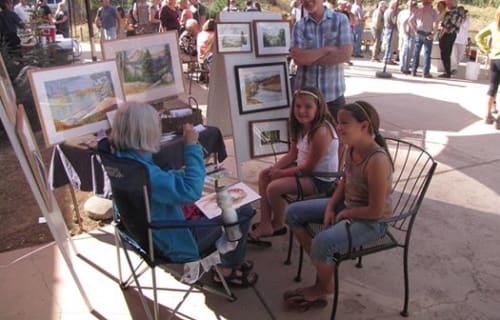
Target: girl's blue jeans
[{"x": 333, "y": 239}]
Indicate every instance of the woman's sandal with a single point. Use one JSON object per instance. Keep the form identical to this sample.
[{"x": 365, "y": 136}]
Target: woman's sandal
[
  {"x": 300, "y": 304},
  {"x": 246, "y": 266},
  {"x": 258, "y": 242},
  {"x": 278, "y": 232},
  {"x": 292, "y": 293},
  {"x": 489, "y": 119},
  {"x": 497, "y": 123},
  {"x": 238, "y": 278}
]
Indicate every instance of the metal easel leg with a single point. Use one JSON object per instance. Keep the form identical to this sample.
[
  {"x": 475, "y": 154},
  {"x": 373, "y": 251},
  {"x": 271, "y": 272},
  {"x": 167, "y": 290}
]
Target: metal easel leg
[{"x": 76, "y": 209}]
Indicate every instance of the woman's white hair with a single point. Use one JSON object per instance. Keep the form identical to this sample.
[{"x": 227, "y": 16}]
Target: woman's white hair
[
  {"x": 191, "y": 23},
  {"x": 136, "y": 126}
]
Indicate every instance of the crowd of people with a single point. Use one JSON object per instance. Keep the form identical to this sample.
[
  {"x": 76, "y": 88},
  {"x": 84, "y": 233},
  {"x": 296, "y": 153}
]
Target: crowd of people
[
  {"x": 13, "y": 18},
  {"x": 188, "y": 17},
  {"x": 401, "y": 30}
]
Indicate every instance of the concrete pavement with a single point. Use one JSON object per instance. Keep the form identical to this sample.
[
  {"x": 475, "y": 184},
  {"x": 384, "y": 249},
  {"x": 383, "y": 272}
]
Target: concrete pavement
[{"x": 454, "y": 261}]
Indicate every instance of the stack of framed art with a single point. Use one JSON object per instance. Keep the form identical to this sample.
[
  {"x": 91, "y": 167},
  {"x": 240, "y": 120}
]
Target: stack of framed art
[
  {"x": 23, "y": 142},
  {"x": 17, "y": 119},
  {"x": 253, "y": 90}
]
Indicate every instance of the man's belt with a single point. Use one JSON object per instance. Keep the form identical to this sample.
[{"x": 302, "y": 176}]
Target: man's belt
[{"x": 424, "y": 33}]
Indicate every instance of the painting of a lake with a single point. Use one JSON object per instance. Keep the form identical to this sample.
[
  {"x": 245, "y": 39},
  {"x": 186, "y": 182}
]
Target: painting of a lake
[
  {"x": 72, "y": 101},
  {"x": 80, "y": 100},
  {"x": 262, "y": 87}
]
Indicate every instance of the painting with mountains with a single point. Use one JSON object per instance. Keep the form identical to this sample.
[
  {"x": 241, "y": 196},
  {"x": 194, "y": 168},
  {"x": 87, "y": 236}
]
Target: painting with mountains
[{"x": 151, "y": 71}]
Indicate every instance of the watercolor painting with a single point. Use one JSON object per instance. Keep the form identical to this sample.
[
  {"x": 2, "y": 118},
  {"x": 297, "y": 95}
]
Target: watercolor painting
[
  {"x": 72, "y": 101},
  {"x": 272, "y": 38},
  {"x": 233, "y": 37},
  {"x": 240, "y": 193},
  {"x": 151, "y": 71},
  {"x": 262, "y": 87},
  {"x": 268, "y": 137}
]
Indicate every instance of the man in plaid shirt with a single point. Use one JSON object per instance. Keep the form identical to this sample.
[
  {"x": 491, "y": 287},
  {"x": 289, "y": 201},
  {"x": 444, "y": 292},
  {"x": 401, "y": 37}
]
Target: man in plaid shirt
[
  {"x": 450, "y": 27},
  {"x": 321, "y": 44}
]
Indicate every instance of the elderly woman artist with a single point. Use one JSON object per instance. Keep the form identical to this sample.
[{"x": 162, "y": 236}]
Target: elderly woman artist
[{"x": 136, "y": 135}]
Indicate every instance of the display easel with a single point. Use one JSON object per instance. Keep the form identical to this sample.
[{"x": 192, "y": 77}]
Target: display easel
[
  {"x": 222, "y": 107},
  {"x": 53, "y": 217}
]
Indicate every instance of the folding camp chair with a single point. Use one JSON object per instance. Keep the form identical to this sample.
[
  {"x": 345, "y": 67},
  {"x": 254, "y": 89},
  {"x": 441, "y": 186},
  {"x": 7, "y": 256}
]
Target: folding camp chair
[{"x": 130, "y": 188}]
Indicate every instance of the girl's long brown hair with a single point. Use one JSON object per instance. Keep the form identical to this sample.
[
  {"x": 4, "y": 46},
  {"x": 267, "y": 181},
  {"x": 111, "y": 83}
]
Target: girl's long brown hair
[
  {"x": 322, "y": 113},
  {"x": 363, "y": 111}
]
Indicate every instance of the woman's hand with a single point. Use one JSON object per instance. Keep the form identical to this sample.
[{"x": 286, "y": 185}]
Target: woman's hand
[{"x": 189, "y": 134}]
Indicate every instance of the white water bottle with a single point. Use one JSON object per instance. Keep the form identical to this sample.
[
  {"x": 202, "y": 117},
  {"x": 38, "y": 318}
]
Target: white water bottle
[{"x": 229, "y": 215}]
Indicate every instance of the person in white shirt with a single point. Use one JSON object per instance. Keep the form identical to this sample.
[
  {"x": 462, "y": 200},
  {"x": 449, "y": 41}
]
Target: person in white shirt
[
  {"x": 233, "y": 7},
  {"x": 22, "y": 9},
  {"x": 296, "y": 12},
  {"x": 406, "y": 37}
]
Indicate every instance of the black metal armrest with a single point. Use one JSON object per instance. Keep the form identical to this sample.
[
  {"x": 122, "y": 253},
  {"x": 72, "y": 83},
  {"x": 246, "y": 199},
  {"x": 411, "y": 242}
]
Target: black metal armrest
[
  {"x": 385, "y": 220},
  {"x": 182, "y": 224},
  {"x": 322, "y": 174},
  {"x": 399, "y": 217}
]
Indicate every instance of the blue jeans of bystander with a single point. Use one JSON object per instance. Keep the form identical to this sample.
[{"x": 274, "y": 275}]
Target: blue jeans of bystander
[
  {"x": 421, "y": 40},
  {"x": 357, "y": 33},
  {"x": 406, "y": 53},
  {"x": 387, "y": 44}
]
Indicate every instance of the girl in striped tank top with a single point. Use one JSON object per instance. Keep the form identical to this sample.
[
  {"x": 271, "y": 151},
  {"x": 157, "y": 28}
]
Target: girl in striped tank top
[{"x": 362, "y": 197}]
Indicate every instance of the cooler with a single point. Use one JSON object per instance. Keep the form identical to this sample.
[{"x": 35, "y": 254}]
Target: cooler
[{"x": 48, "y": 31}]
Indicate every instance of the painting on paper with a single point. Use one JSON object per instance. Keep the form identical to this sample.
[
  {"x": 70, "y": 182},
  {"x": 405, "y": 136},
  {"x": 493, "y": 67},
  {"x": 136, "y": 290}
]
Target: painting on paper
[
  {"x": 151, "y": 71},
  {"x": 262, "y": 87},
  {"x": 73, "y": 101}
]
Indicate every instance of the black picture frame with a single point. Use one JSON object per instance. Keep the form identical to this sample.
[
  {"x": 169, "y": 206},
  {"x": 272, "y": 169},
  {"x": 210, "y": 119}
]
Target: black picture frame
[
  {"x": 262, "y": 87},
  {"x": 268, "y": 137}
]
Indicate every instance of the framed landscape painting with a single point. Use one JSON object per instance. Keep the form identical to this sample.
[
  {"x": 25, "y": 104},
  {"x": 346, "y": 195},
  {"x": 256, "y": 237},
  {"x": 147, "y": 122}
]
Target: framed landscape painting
[
  {"x": 272, "y": 38},
  {"x": 233, "y": 37},
  {"x": 149, "y": 65},
  {"x": 268, "y": 137},
  {"x": 30, "y": 148},
  {"x": 72, "y": 101},
  {"x": 262, "y": 87},
  {"x": 7, "y": 92}
]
